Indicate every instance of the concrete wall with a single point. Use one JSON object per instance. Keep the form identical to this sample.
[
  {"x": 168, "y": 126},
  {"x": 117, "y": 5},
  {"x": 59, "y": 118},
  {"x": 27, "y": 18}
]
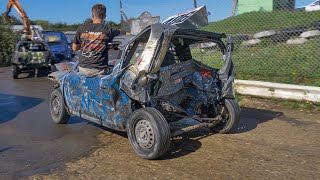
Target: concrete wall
[
  {"x": 278, "y": 90},
  {"x": 264, "y": 5}
]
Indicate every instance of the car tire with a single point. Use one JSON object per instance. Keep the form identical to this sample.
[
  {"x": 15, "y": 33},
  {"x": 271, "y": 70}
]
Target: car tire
[
  {"x": 53, "y": 68},
  {"x": 15, "y": 71},
  {"x": 148, "y": 133},
  {"x": 231, "y": 118},
  {"x": 58, "y": 109}
]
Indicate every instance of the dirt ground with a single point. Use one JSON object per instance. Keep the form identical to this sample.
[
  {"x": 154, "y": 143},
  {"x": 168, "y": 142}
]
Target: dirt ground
[{"x": 272, "y": 142}]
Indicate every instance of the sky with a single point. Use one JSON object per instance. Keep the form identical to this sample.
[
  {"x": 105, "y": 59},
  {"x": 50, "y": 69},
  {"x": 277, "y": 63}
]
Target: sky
[{"x": 76, "y": 11}]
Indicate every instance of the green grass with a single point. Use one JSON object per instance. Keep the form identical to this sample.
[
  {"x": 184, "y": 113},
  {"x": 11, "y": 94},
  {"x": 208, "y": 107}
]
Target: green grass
[
  {"x": 292, "y": 64},
  {"x": 253, "y": 22}
]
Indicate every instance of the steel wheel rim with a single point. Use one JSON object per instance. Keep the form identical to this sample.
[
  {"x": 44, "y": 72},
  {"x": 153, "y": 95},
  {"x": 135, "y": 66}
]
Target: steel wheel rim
[
  {"x": 224, "y": 115},
  {"x": 56, "y": 106},
  {"x": 144, "y": 134}
]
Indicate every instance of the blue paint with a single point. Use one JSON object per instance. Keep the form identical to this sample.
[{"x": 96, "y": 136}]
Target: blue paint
[
  {"x": 85, "y": 95},
  {"x": 120, "y": 119},
  {"x": 96, "y": 109},
  {"x": 105, "y": 116},
  {"x": 106, "y": 96},
  {"x": 123, "y": 95},
  {"x": 112, "y": 81}
]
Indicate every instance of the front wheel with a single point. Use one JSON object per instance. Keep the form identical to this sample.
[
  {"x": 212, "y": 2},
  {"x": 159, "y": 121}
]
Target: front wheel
[
  {"x": 230, "y": 113},
  {"x": 58, "y": 109},
  {"x": 15, "y": 71},
  {"x": 148, "y": 133}
]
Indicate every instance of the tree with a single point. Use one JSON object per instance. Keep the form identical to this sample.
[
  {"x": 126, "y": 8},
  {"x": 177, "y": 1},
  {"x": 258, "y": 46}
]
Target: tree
[
  {"x": 113, "y": 24},
  {"x": 12, "y": 20},
  {"x": 7, "y": 42},
  {"x": 42, "y": 23},
  {"x": 87, "y": 21}
]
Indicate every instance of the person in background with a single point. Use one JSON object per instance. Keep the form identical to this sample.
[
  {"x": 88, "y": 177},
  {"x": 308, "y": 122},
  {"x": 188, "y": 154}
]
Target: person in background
[
  {"x": 92, "y": 41},
  {"x": 23, "y": 36}
]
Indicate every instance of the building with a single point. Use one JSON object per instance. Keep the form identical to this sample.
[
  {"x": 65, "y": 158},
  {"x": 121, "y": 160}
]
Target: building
[
  {"x": 264, "y": 5},
  {"x": 144, "y": 20},
  {"x": 20, "y": 27}
]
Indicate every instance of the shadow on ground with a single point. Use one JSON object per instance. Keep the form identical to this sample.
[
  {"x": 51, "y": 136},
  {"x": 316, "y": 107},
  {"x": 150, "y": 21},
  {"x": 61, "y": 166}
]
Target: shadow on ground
[
  {"x": 190, "y": 142},
  {"x": 12, "y": 105},
  {"x": 251, "y": 118}
]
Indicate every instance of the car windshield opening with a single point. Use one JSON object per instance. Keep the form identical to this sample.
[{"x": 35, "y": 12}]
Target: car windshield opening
[
  {"x": 206, "y": 51},
  {"x": 52, "y": 37},
  {"x": 135, "y": 49}
]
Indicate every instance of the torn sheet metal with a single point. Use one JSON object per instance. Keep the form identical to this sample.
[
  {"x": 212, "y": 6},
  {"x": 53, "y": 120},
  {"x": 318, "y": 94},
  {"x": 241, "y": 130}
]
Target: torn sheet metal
[{"x": 193, "y": 19}]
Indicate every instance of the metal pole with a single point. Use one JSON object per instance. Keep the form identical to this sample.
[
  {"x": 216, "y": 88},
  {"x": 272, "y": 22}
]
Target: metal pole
[
  {"x": 121, "y": 13},
  {"x": 195, "y": 3},
  {"x": 234, "y": 7}
]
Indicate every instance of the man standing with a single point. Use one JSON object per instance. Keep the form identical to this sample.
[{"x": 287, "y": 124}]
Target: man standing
[{"x": 92, "y": 41}]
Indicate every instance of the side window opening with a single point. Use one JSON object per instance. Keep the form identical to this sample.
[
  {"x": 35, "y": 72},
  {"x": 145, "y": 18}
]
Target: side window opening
[
  {"x": 135, "y": 49},
  {"x": 205, "y": 51}
]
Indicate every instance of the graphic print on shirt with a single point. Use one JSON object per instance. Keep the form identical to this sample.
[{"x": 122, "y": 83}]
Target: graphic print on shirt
[{"x": 93, "y": 44}]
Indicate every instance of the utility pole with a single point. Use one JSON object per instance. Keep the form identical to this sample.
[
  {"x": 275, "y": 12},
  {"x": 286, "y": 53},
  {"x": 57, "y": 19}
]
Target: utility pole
[
  {"x": 234, "y": 7},
  {"x": 195, "y": 3},
  {"x": 121, "y": 14}
]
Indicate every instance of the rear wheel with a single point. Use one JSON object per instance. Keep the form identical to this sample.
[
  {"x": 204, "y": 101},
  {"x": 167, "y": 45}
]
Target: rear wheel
[
  {"x": 58, "y": 110},
  {"x": 230, "y": 113},
  {"x": 15, "y": 71},
  {"x": 148, "y": 133}
]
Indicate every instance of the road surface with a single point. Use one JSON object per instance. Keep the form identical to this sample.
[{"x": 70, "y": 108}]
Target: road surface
[
  {"x": 272, "y": 142},
  {"x": 29, "y": 142}
]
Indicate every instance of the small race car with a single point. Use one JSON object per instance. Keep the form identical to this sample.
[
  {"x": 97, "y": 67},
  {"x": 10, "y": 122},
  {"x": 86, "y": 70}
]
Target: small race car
[
  {"x": 60, "y": 47},
  {"x": 31, "y": 55},
  {"x": 156, "y": 81}
]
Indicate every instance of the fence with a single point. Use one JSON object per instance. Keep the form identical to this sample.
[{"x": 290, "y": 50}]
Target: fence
[{"x": 275, "y": 40}]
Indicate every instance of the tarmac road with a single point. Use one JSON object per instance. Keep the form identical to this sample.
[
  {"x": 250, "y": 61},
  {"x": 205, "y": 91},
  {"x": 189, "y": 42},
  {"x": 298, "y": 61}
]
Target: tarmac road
[{"x": 29, "y": 141}]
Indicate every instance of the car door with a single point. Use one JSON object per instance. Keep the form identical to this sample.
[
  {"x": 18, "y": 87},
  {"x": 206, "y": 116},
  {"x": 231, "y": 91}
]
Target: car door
[
  {"x": 82, "y": 93},
  {"x": 98, "y": 98}
]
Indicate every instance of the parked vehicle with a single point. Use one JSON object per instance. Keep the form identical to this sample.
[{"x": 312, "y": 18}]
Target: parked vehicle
[
  {"x": 59, "y": 45},
  {"x": 315, "y": 6},
  {"x": 32, "y": 52},
  {"x": 31, "y": 55},
  {"x": 155, "y": 82}
]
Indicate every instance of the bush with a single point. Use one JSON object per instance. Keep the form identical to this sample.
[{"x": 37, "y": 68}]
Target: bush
[{"x": 7, "y": 44}]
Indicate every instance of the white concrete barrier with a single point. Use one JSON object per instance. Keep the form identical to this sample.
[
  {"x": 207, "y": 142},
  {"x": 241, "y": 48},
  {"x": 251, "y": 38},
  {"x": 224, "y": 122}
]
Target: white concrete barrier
[{"x": 278, "y": 90}]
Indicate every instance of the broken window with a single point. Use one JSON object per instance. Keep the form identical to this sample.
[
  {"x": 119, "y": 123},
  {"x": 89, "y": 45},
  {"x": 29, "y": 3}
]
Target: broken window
[
  {"x": 203, "y": 50},
  {"x": 135, "y": 49}
]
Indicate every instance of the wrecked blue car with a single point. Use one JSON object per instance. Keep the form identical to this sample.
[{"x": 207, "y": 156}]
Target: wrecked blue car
[
  {"x": 156, "y": 81},
  {"x": 59, "y": 45}
]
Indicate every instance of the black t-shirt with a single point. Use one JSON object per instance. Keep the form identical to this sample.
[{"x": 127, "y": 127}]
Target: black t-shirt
[{"x": 93, "y": 40}]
